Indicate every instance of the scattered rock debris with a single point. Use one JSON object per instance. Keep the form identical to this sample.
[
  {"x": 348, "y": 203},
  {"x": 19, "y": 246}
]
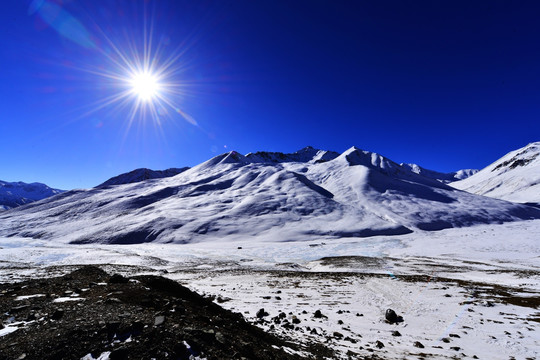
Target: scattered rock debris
[{"x": 154, "y": 317}]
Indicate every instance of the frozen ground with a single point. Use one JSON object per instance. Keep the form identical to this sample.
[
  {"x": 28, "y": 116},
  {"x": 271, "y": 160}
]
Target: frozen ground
[{"x": 462, "y": 292}]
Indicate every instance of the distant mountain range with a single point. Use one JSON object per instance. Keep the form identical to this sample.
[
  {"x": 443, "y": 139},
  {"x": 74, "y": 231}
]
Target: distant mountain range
[
  {"x": 442, "y": 177},
  {"x": 19, "y": 193},
  {"x": 265, "y": 196},
  {"x": 13, "y": 194},
  {"x": 514, "y": 177}
]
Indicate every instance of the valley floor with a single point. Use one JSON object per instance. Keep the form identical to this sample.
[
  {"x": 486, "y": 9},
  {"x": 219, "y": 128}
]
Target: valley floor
[{"x": 462, "y": 293}]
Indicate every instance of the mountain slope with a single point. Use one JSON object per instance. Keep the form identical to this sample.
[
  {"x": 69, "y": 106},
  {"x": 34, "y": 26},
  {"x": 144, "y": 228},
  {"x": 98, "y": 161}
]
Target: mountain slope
[
  {"x": 230, "y": 197},
  {"x": 13, "y": 194},
  {"x": 514, "y": 177}
]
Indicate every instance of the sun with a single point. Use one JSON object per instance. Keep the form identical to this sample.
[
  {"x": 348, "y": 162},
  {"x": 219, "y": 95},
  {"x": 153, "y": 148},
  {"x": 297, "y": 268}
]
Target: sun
[{"x": 145, "y": 85}]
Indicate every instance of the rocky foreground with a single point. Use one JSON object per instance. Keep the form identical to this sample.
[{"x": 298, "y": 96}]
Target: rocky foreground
[{"x": 89, "y": 314}]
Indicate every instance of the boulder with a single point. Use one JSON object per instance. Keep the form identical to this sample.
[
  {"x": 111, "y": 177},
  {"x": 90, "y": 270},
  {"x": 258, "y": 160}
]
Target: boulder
[
  {"x": 392, "y": 317},
  {"x": 261, "y": 313}
]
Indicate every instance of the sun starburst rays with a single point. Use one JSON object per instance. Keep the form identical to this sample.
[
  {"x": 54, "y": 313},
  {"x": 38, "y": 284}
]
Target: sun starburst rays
[{"x": 142, "y": 82}]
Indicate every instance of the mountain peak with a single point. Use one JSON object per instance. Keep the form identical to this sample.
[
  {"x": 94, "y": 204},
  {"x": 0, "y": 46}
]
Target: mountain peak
[
  {"x": 352, "y": 149},
  {"x": 355, "y": 156},
  {"x": 231, "y": 157}
]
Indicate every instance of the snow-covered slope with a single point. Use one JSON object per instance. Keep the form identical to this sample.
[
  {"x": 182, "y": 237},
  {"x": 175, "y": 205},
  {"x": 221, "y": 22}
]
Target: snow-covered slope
[
  {"x": 356, "y": 194},
  {"x": 442, "y": 177},
  {"x": 13, "y": 194},
  {"x": 514, "y": 177},
  {"x": 142, "y": 174}
]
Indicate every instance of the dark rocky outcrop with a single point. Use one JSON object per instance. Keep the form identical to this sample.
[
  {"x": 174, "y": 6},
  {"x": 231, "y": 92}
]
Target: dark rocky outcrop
[{"x": 150, "y": 317}]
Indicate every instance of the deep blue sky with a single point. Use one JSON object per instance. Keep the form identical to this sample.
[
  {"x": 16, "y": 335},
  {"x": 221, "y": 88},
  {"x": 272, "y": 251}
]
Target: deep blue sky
[{"x": 444, "y": 84}]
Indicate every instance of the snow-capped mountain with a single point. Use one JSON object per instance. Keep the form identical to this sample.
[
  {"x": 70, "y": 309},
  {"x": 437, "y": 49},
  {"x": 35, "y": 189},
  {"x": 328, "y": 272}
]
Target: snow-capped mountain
[
  {"x": 514, "y": 177},
  {"x": 13, "y": 194},
  {"x": 142, "y": 174},
  {"x": 232, "y": 196},
  {"x": 442, "y": 177}
]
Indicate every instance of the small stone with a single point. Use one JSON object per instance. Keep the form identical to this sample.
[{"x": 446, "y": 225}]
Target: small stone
[
  {"x": 358, "y": 314},
  {"x": 221, "y": 338},
  {"x": 379, "y": 344},
  {"x": 318, "y": 314},
  {"x": 137, "y": 328},
  {"x": 118, "y": 279},
  {"x": 295, "y": 320},
  {"x": 261, "y": 313},
  {"x": 418, "y": 344},
  {"x": 396, "y": 333},
  {"x": 159, "y": 320},
  {"x": 19, "y": 308},
  {"x": 221, "y": 300},
  {"x": 456, "y": 348},
  {"x": 340, "y": 322},
  {"x": 120, "y": 354},
  {"x": 338, "y": 335},
  {"x": 445, "y": 340},
  {"x": 57, "y": 315},
  {"x": 454, "y": 335},
  {"x": 181, "y": 351}
]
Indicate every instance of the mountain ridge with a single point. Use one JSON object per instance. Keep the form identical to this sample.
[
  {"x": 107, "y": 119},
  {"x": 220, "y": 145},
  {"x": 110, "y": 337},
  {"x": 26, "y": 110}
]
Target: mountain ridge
[
  {"x": 231, "y": 198},
  {"x": 142, "y": 174}
]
